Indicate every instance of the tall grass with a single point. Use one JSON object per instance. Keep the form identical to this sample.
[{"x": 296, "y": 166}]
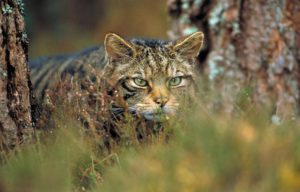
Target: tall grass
[{"x": 198, "y": 151}]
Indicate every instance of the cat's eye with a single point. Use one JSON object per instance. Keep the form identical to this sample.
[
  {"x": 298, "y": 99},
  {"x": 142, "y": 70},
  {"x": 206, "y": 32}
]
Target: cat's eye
[
  {"x": 140, "y": 82},
  {"x": 175, "y": 81}
]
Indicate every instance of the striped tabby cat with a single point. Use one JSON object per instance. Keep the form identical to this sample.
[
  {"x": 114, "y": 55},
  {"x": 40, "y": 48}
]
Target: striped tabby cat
[{"x": 150, "y": 78}]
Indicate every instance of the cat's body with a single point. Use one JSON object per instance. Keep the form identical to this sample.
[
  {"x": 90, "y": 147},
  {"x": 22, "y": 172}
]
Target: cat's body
[
  {"x": 147, "y": 78},
  {"x": 47, "y": 71}
]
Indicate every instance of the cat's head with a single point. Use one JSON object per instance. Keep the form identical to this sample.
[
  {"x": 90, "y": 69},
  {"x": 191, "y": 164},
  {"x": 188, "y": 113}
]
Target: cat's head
[{"x": 151, "y": 77}]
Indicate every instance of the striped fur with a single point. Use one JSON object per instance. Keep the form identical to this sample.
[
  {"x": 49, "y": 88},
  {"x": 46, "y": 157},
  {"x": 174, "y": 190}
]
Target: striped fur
[
  {"x": 125, "y": 65},
  {"x": 47, "y": 71}
]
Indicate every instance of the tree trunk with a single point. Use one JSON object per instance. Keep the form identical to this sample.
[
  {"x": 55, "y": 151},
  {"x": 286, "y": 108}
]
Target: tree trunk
[
  {"x": 15, "y": 87},
  {"x": 249, "y": 43}
]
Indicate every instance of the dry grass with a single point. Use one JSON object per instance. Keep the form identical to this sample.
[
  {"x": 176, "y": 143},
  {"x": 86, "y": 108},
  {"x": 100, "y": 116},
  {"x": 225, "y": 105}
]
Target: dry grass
[{"x": 200, "y": 150}]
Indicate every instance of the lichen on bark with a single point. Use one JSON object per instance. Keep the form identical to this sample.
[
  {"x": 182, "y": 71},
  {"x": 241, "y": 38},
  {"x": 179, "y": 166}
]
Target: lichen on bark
[
  {"x": 252, "y": 44},
  {"x": 15, "y": 87}
]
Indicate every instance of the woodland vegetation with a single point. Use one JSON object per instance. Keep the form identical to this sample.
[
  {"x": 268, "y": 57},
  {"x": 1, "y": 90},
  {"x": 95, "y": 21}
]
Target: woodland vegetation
[{"x": 241, "y": 135}]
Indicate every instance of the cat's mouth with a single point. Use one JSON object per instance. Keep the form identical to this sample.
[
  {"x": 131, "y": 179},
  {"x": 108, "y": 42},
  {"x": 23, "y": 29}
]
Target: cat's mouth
[
  {"x": 155, "y": 116},
  {"x": 159, "y": 114}
]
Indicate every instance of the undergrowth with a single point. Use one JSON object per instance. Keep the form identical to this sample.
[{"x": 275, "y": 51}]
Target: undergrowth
[{"x": 199, "y": 150}]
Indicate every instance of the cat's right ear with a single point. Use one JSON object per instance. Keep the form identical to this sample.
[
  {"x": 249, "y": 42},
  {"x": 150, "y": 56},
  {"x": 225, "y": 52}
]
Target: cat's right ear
[
  {"x": 118, "y": 48},
  {"x": 189, "y": 47}
]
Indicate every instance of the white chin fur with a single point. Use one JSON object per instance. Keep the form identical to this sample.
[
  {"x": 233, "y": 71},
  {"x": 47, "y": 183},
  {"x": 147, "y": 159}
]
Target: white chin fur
[{"x": 152, "y": 116}]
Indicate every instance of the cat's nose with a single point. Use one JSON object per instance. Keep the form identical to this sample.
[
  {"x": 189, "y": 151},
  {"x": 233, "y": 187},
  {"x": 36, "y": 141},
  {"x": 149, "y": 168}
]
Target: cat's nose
[{"x": 161, "y": 101}]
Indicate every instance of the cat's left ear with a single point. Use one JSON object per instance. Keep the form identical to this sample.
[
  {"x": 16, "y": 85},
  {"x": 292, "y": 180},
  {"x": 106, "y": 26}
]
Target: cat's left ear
[{"x": 190, "y": 46}]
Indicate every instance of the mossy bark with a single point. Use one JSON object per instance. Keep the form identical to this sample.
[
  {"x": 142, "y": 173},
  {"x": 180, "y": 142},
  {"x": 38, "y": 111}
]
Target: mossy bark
[
  {"x": 252, "y": 45},
  {"x": 15, "y": 87}
]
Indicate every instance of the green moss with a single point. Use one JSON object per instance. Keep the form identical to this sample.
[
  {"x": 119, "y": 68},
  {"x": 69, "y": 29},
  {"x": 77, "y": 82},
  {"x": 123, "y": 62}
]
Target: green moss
[
  {"x": 216, "y": 15},
  {"x": 7, "y": 9},
  {"x": 3, "y": 74},
  {"x": 190, "y": 30},
  {"x": 185, "y": 6},
  {"x": 214, "y": 67},
  {"x": 21, "y": 6},
  {"x": 24, "y": 37},
  {"x": 236, "y": 28},
  {"x": 197, "y": 2}
]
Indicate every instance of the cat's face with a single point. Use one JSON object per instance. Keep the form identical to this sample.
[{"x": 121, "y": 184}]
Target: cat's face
[{"x": 152, "y": 78}]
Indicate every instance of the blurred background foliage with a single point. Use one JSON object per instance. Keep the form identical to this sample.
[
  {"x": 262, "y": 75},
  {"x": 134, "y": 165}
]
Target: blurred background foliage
[{"x": 61, "y": 26}]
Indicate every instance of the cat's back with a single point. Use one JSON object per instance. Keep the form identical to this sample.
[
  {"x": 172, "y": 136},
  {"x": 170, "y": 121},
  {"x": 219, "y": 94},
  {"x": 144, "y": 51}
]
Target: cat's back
[{"x": 47, "y": 71}]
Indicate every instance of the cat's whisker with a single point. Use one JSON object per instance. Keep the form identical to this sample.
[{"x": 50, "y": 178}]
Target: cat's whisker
[
  {"x": 132, "y": 109},
  {"x": 117, "y": 111},
  {"x": 141, "y": 105}
]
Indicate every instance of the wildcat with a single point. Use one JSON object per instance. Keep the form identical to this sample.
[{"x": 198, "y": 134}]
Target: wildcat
[
  {"x": 147, "y": 78},
  {"x": 152, "y": 76}
]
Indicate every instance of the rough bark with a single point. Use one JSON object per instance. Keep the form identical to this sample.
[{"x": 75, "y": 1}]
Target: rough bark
[
  {"x": 15, "y": 87},
  {"x": 249, "y": 43}
]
